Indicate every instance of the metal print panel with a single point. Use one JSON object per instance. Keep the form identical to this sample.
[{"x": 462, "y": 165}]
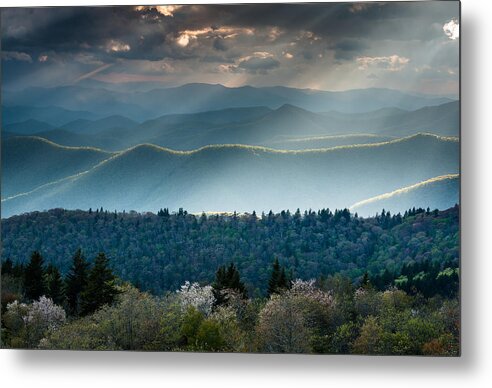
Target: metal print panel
[{"x": 271, "y": 178}]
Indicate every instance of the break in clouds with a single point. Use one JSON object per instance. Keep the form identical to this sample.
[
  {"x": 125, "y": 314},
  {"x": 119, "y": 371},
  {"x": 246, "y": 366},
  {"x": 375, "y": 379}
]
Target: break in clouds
[{"x": 408, "y": 46}]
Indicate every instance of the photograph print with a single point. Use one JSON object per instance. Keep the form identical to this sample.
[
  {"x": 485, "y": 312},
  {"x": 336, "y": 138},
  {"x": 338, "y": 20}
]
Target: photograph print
[{"x": 242, "y": 178}]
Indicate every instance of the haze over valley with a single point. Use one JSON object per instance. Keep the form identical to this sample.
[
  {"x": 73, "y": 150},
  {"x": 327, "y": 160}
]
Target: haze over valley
[
  {"x": 230, "y": 114},
  {"x": 233, "y": 159}
]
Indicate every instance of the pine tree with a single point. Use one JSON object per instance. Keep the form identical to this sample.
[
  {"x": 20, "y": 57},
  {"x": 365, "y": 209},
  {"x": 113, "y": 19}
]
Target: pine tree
[
  {"x": 227, "y": 278},
  {"x": 272, "y": 283},
  {"x": 34, "y": 277},
  {"x": 101, "y": 289},
  {"x": 76, "y": 283},
  {"x": 7, "y": 266},
  {"x": 283, "y": 283},
  {"x": 364, "y": 282},
  {"x": 278, "y": 279},
  {"x": 54, "y": 285}
]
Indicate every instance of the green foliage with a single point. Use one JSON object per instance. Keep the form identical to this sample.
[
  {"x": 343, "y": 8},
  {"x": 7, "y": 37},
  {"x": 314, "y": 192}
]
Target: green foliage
[
  {"x": 191, "y": 323},
  {"x": 54, "y": 285},
  {"x": 227, "y": 278},
  {"x": 76, "y": 283},
  {"x": 278, "y": 279},
  {"x": 344, "y": 337},
  {"x": 304, "y": 319},
  {"x": 34, "y": 277},
  {"x": 425, "y": 277},
  {"x": 398, "y": 294},
  {"x": 159, "y": 253},
  {"x": 7, "y": 266},
  {"x": 101, "y": 288},
  {"x": 27, "y": 324},
  {"x": 208, "y": 337},
  {"x": 370, "y": 338}
]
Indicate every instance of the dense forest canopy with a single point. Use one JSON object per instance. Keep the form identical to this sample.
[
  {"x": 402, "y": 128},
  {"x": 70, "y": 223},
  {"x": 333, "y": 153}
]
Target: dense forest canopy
[
  {"x": 161, "y": 251},
  {"x": 416, "y": 313}
]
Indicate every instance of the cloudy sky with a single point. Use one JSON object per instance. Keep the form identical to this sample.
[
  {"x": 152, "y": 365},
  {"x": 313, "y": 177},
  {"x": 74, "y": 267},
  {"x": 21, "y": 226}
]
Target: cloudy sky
[{"x": 411, "y": 46}]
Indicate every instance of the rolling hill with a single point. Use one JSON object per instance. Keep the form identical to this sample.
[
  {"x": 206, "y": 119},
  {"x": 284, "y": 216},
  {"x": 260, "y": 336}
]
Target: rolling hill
[
  {"x": 28, "y": 162},
  {"x": 441, "y": 192},
  {"x": 260, "y": 126},
  {"x": 28, "y": 127},
  {"x": 94, "y": 126},
  {"x": 243, "y": 178},
  {"x": 52, "y": 115}
]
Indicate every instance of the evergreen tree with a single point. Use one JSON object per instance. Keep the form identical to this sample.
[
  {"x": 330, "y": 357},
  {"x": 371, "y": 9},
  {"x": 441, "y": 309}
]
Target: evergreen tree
[
  {"x": 364, "y": 282},
  {"x": 101, "y": 288},
  {"x": 76, "y": 283},
  {"x": 54, "y": 285},
  {"x": 227, "y": 278},
  {"x": 278, "y": 279},
  {"x": 18, "y": 270},
  {"x": 7, "y": 267},
  {"x": 34, "y": 277},
  {"x": 283, "y": 283}
]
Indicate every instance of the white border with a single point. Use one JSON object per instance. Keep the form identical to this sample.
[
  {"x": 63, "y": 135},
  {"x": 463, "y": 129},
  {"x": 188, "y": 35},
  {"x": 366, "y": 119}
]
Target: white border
[{"x": 474, "y": 369}]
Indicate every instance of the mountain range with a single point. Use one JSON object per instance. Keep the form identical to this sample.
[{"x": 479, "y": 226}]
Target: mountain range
[
  {"x": 233, "y": 177},
  {"x": 287, "y": 127},
  {"x": 213, "y": 148},
  {"x": 191, "y": 98}
]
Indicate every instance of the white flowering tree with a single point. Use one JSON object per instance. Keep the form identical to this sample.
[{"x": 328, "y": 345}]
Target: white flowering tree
[
  {"x": 308, "y": 289},
  {"x": 199, "y": 297},
  {"x": 28, "y": 323},
  {"x": 290, "y": 322}
]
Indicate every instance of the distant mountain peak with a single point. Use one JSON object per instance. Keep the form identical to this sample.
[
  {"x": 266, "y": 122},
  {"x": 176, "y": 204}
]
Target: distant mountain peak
[{"x": 290, "y": 108}]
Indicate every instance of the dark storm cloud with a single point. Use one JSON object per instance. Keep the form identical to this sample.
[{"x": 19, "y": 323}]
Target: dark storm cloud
[
  {"x": 255, "y": 64},
  {"x": 348, "y": 48},
  {"x": 84, "y": 29},
  {"x": 148, "y": 32},
  {"x": 221, "y": 44},
  {"x": 205, "y": 39}
]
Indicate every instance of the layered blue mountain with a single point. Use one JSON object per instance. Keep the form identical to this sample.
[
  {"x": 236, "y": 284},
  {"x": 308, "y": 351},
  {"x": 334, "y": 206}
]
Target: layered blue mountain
[
  {"x": 27, "y": 127},
  {"x": 213, "y": 148},
  {"x": 29, "y": 162},
  {"x": 52, "y": 115},
  {"x": 232, "y": 177},
  {"x": 287, "y": 127},
  {"x": 190, "y": 98}
]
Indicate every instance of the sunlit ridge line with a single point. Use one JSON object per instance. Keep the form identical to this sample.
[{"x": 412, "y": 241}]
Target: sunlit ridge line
[
  {"x": 115, "y": 155},
  {"x": 52, "y": 143},
  {"x": 403, "y": 190},
  {"x": 272, "y": 150},
  {"x": 244, "y": 146},
  {"x": 332, "y": 137},
  {"x": 73, "y": 177}
]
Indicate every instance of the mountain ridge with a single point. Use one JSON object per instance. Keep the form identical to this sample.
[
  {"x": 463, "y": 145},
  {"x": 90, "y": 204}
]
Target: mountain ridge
[
  {"x": 192, "y": 98},
  {"x": 242, "y": 178},
  {"x": 436, "y": 193}
]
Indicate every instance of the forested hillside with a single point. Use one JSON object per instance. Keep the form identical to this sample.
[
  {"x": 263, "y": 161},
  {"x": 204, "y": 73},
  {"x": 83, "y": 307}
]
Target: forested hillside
[{"x": 159, "y": 252}]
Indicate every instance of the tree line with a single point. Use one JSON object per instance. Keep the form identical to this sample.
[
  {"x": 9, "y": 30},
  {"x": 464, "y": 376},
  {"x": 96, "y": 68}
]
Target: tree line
[
  {"x": 333, "y": 316},
  {"x": 83, "y": 290},
  {"x": 159, "y": 252}
]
